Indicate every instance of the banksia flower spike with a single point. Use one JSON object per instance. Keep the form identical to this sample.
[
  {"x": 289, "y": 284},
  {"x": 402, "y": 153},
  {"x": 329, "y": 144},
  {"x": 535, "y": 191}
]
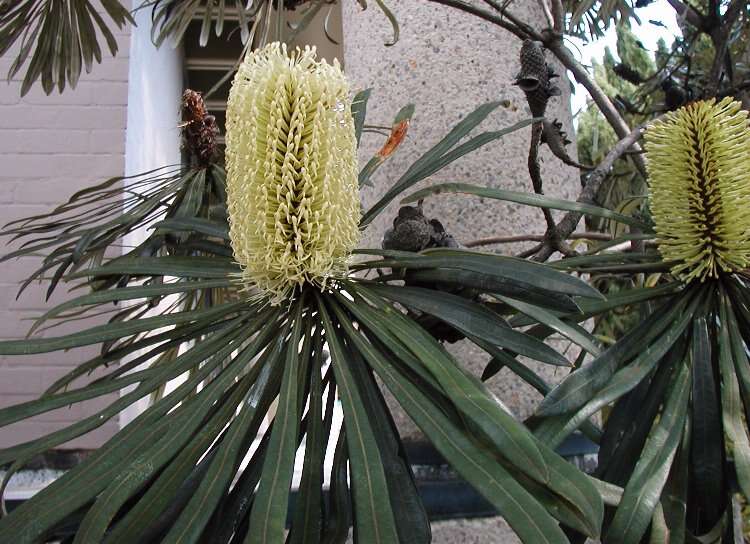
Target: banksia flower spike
[
  {"x": 699, "y": 170},
  {"x": 292, "y": 188}
]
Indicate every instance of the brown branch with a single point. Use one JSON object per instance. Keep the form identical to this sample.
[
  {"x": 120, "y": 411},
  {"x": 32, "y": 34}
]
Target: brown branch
[
  {"x": 558, "y": 16},
  {"x": 502, "y": 22},
  {"x": 503, "y": 11},
  {"x": 492, "y": 240},
  {"x": 719, "y": 29},
  {"x": 535, "y": 171},
  {"x": 552, "y": 39},
  {"x": 688, "y": 12},
  {"x": 569, "y": 222},
  {"x": 544, "y": 4},
  {"x": 599, "y": 97}
]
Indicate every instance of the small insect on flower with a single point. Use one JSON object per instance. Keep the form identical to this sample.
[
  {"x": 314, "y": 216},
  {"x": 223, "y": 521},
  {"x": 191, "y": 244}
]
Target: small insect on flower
[
  {"x": 699, "y": 170},
  {"x": 292, "y": 189}
]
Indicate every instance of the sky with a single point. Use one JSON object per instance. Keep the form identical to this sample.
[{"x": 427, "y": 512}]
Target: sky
[{"x": 648, "y": 33}]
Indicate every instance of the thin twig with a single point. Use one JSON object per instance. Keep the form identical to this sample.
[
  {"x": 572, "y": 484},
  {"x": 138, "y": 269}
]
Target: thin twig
[
  {"x": 493, "y": 240},
  {"x": 569, "y": 222},
  {"x": 719, "y": 30},
  {"x": 487, "y": 16},
  {"x": 535, "y": 172},
  {"x": 599, "y": 97},
  {"x": 552, "y": 39},
  {"x": 558, "y": 16},
  {"x": 688, "y": 13},
  {"x": 547, "y": 13}
]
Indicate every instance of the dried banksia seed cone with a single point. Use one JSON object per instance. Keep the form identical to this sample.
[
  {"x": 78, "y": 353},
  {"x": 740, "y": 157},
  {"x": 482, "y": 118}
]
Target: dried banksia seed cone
[
  {"x": 199, "y": 130},
  {"x": 292, "y": 188},
  {"x": 699, "y": 170},
  {"x": 534, "y": 77}
]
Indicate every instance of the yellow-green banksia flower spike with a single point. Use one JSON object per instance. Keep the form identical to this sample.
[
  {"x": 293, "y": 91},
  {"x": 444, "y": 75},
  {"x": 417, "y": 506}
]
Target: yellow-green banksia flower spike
[
  {"x": 292, "y": 188},
  {"x": 699, "y": 168}
]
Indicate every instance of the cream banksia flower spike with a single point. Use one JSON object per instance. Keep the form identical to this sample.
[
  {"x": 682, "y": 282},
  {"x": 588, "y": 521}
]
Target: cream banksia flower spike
[
  {"x": 699, "y": 170},
  {"x": 292, "y": 187}
]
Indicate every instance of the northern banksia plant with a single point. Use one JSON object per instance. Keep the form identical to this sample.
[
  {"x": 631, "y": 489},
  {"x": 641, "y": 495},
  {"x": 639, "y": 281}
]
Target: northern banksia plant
[
  {"x": 251, "y": 320},
  {"x": 677, "y": 438},
  {"x": 198, "y": 464}
]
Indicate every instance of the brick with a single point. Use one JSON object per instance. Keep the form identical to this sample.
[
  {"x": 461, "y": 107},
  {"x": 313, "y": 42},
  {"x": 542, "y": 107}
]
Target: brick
[
  {"x": 20, "y": 381},
  {"x": 21, "y": 211},
  {"x": 63, "y": 359},
  {"x": 15, "y": 324},
  {"x": 111, "y": 94},
  {"x": 51, "y": 191},
  {"x": 29, "y": 430},
  {"x": 33, "y": 297},
  {"x": 17, "y": 270},
  {"x": 21, "y": 116},
  {"x": 88, "y": 166},
  {"x": 107, "y": 141},
  {"x": 114, "y": 69},
  {"x": 52, "y": 146},
  {"x": 44, "y": 141},
  {"x": 82, "y": 95}
]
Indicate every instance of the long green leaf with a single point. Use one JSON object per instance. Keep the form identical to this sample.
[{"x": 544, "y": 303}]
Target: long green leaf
[
  {"x": 181, "y": 267},
  {"x": 373, "y": 514},
  {"x": 628, "y": 377},
  {"x": 519, "y": 272},
  {"x": 469, "y": 395},
  {"x": 642, "y": 493},
  {"x": 195, "y": 224},
  {"x": 442, "y": 154},
  {"x": 132, "y": 293},
  {"x": 160, "y": 497},
  {"x": 80, "y": 484},
  {"x": 409, "y": 513},
  {"x": 707, "y": 440},
  {"x": 575, "y": 334},
  {"x": 510, "y": 438},
  {"x": 583, "y": 384},
  {"x": 472, "y": 319},
  {"x": 269, "y": 512},
  {"x": 112, "y": 331},
  {"x": 359, "y": 111},
  {"x": 524, "y": 514},
  {"x": 308, "y": 511},
  {"x": 731, "y": 403},
  {"x": 528, "y": 199},
  {"x": 146, "y": 464},
  {"x": 189, "y": 525}
]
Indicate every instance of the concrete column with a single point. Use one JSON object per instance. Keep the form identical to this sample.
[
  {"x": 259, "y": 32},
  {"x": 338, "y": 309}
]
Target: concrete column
[{"x": 448, "y": 63}]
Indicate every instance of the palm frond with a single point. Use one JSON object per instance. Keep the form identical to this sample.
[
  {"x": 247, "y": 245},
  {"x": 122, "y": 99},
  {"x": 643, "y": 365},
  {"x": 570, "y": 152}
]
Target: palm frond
[{"x": 61, "y": 37}]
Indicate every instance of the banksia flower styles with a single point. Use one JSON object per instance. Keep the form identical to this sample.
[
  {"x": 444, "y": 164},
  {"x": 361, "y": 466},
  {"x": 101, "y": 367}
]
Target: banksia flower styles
[
  {"x": 292, "y": 186},
  {"x": 699, "y": 170}
]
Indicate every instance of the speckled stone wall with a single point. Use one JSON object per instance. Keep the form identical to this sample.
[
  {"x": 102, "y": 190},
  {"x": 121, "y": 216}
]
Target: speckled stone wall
[{"x": 448, "y": 63}]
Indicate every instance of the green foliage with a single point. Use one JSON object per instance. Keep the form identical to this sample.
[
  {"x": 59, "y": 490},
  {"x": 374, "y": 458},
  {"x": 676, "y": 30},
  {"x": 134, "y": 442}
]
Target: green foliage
[
  {"x": 175, "y": 474},
  {"x": 213, "y": 457},
  {"x": 61, "y": 37},
  {"x": 590, "y": 18}
]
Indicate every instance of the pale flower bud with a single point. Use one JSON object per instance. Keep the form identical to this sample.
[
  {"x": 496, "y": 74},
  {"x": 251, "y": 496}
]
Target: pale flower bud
[
  {"x": 292, "y": 187},
  {"x": 699, "y": 170}
]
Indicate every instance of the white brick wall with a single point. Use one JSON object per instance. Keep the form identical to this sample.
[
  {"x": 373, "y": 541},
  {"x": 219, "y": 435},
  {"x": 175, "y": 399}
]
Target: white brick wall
[{"x": 50, "y": 147}]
